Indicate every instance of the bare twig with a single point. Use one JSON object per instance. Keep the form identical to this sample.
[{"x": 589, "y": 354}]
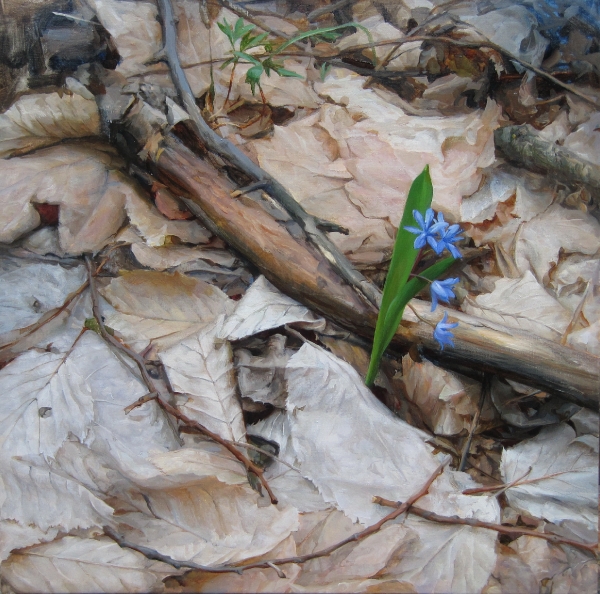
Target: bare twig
[
  {"x": 478, "y": 45},
  {"x": 485, "y": 388},
  {"x": 233, "y": 154},
  {"x": 139, "y": 361},
  {"x": 520, "y": 482},
  {"x": 272, "y": 563},
  {"x": 509, "y": 530}
]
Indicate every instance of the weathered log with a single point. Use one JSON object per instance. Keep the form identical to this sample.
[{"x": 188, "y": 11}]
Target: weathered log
[
  {"x": 297, "y": 269},
  {"x": 523, "y": 146}
]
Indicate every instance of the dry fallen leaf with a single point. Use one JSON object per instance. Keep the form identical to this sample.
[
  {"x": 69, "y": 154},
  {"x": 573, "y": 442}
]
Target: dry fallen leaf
[
  {"x": 209, "y": 523},
  {"x": 264, "y": 307},
  {"x": 35, "y": 121},
  {"x": 200, "y": 370},
  {"x": 447, "y": 400},
  {"x": 83, "y": 181},
  {"x": 161, "y": 308},
  {"x": 568, "y": 499},
  {"x": 73, "y": 564},
  {"x": 523, "y": 304}
]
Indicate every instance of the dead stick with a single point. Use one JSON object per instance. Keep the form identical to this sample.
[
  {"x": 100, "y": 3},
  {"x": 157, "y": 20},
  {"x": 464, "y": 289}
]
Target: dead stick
[
  {"x": 479, "y": 45},
  {"x": 250, "y": 466},
  {"x": 237, "y": 157},
  {"x": 152, "y": 554},
  {"x": 475, "y": 523},
  {"x": 298, "y": 271},
  {"x": 523, "y": 146}
]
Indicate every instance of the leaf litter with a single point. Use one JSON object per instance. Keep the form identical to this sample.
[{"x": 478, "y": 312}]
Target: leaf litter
[{"x": 73, "y": 461}]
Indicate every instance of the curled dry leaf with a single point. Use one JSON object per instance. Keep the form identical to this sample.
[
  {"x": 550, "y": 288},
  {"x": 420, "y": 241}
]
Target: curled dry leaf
[
  {"x": 447, "y": 400},
  {"x": 523, "y": 304},
  {"x": 200, "y": 369},
  {"x": 73, "y": 564},
  {"x": 156, "y": 229},
  {"x": 264, "y": 307},
  {"x": 35, "y": 121},
  {"x": 135, "y": 30},
  {"x": 81, "y": 180},
  {"x": 161, "y": 308},
  {"x": 570, "y": 498},
  {"x": 556, "y": 230}
]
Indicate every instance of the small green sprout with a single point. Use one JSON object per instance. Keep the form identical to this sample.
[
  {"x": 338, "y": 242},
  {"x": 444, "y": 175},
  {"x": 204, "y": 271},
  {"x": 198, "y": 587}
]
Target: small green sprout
[{"x": 241, "y": 39}]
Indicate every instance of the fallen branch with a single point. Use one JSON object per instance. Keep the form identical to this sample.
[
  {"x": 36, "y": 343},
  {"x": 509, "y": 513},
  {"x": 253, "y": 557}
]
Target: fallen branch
[
  {"x": 478, "y": 45},
  {"x": 400, "y": 509},
  {"x": 522, "y": 145},
  {"x": 473, "y": 522},
  {"x": 292, "y": 266},
  {"x": 227, "y": 150},
  {"x": 154, "y": 393}
]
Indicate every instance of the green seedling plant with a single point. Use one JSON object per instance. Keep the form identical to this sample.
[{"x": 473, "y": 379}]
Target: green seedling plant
[
  {"x": 404, "y": 280},
  {"x": 242, "y": 39}
]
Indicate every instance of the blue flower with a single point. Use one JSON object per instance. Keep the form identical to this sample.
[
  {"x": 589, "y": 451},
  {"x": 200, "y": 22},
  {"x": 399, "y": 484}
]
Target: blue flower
[
  {"x": 427, "y": 228},
  {"x": 447, "y": 238},
  {"x": 442, "y": 331},
  {"x": 442, "y": 291}
]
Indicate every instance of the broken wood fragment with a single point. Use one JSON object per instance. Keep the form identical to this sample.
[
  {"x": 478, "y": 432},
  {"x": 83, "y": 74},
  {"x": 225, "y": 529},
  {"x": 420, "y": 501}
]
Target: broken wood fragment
[{"x": 523, "y": 146}]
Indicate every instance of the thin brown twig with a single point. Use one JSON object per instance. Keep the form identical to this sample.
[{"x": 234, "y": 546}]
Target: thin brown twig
[
  {"x": 400, "y": 509},
  {"x": 478, "y": 45},
  {"x": 250, "y": 466},
  {"x": 475, "y": 523},
  {"x": 519, "y": 482}
]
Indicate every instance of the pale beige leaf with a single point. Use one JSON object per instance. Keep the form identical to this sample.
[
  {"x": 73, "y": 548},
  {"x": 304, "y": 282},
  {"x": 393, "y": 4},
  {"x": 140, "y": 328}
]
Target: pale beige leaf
[
  {"x": 544, "y": 559},
  {"x": 73, "y": 564},
  {"x": 17, "y": 536},
  {"x": 210, "y": 523},
  {"x": 568, "y": 499},
  {"x": 581, "y": 579},
  {"x": 200, "y": 369},
  {"x": 161, "y": 308},
  {"x": 511, "y": 574},
  {"x": 264, "y": 307},
  {"x": 33, "y": 289},
  {"x": 34, "y": 121},
  {"x": 81, "y": 180},
  {"x": 156, "y": 229},
  {"x": 333, "y": 420},
  {"x": 78, "y": 395},
  {"x": 447, "y": 400},
  {"x": 523, "y": 304},
  {"x": 555, "y": 231}
]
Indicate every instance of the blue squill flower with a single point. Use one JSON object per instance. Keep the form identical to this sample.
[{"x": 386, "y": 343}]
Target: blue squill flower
[
  {"x": 442, "y": 331},
  {"x": 427, "y": 228},
  {"x": 442, "y": 291},
  {"x": 447, "y": 237}
]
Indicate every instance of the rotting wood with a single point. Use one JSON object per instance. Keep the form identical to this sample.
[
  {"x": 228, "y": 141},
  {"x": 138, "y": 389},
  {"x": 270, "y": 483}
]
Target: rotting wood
[
  {"x": 298, "y": 270},
  {"x": 523, "y": 146}
]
